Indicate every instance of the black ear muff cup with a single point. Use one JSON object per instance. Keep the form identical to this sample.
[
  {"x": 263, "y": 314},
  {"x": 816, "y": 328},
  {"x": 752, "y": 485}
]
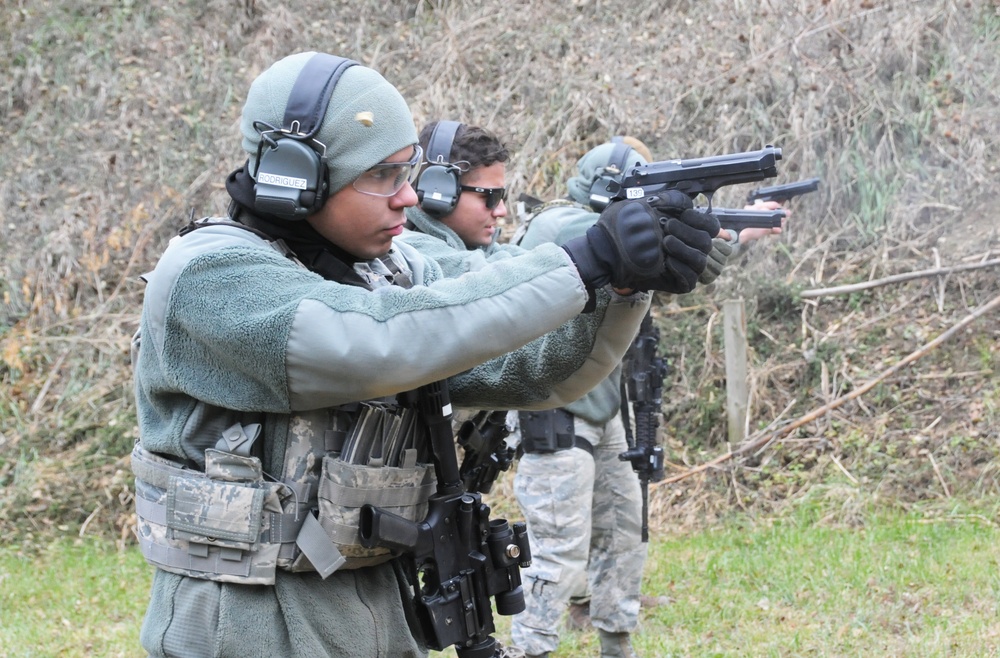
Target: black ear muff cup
[
  {"x": 291, "y": 175},
  {"x": 289, "y": 180},
  {"x": 438, "y": 190},
  {"x": 440, "y": 183}
]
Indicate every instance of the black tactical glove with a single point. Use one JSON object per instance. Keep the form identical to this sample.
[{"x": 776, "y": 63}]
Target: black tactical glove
[
  {"x": 624, "y": 246},
  {"x": 686, "y": 245},
  {"x": 717, "y": 259},
  {"x": 687, "y": 242},
  {"x": 670, "y": 203},
  {"x": 655, "y": 243}
]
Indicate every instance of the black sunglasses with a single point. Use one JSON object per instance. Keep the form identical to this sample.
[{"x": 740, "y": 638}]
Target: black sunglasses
[{"x": 494, "y": 195}]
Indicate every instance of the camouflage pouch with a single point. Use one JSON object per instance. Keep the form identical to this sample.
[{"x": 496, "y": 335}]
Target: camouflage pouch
[
  {"x": 218, "y": 512},
  {"x": 210, "y": 527},
  {"x": 344, "y": 488}
]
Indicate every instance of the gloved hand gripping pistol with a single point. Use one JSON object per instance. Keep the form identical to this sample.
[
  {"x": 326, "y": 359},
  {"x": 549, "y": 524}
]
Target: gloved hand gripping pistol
[
  {"x": 462, "y": 558},
  {"x": 642, "y": 383}
]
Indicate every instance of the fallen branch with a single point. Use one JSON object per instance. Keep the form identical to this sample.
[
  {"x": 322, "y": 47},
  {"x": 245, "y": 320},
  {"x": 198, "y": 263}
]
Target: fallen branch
[
  {"x": 753, "y": 444},
  {"x": 895, "y": 278}
]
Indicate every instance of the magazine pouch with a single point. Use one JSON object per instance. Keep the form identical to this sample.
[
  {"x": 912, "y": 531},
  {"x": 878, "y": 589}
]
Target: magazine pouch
[{"x": 345, "y": 487}]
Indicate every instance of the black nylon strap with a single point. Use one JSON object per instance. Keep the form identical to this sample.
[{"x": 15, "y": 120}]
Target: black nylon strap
[
  {"x": 583, "y": 444},
  {"x": 311, "y": 92},
  {"x": 619, "y": 154},
  {"x": 528, "y": 446}
]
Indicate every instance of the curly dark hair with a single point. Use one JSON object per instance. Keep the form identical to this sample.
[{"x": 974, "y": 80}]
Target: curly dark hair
[{"x": 473, "y": 145}]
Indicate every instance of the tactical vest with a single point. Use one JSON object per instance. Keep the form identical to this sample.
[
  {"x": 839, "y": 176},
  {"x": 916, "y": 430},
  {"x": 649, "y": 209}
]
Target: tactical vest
[{"x": 235, "y": 523}]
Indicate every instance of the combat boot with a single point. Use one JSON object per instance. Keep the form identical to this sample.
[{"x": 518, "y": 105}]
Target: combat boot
[
  {"x": 579, "y": 616},
  {"x": 510, "y": 651},
  {"x": 616, "y": 645}
]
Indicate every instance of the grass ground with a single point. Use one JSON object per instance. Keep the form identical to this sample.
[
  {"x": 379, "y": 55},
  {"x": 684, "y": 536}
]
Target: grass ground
[
  {"x": 73, "y": 598},
  {"x": 919, "y": 583}
]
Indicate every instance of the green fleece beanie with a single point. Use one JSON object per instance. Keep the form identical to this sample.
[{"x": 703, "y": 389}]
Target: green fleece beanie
[
  {"x": 591, "y": 165},
  {"x": 366, "y": 121}
]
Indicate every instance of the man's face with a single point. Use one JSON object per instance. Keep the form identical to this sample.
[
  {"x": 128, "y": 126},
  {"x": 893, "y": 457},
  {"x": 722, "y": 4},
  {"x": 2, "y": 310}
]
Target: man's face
[
  {"x": 361, "y": 224},
  {"x": 471, "y": 219}
]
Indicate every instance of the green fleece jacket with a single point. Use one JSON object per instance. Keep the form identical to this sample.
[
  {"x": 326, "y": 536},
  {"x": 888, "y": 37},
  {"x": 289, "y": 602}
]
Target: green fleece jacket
[
  {"x": 556, "y": 225},
  {"x": 233, "y": 331},
  {"x": 436, "y": 241}
]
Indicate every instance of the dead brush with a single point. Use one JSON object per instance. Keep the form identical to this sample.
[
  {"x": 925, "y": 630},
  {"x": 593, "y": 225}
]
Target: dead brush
[{"x": 122, "y": 119}]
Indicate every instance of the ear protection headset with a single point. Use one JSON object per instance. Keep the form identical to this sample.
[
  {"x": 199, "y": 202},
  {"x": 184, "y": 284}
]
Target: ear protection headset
[
  {"x": 439, "y": 185},
  {"x": 611, "y": 173},
  {"x": 291, "y": 174}
]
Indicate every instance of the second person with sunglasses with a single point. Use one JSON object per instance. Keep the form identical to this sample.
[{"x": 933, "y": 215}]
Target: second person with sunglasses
[{"x": 462, "y": 196}]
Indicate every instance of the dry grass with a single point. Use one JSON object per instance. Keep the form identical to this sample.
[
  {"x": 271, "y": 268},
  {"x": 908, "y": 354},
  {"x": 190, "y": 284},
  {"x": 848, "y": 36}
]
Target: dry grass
[{"x": 121, "y": 121}]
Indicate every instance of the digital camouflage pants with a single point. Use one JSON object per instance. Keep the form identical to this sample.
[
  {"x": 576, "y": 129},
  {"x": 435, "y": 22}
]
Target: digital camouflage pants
[{"x": 584, "y": 525}]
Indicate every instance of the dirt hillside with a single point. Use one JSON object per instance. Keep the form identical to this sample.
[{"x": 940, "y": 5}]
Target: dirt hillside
[{"x": 121, "y": 122}]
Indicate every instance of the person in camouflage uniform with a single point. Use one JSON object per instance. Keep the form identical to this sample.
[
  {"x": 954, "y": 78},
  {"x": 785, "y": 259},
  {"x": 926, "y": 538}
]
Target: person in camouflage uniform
[
  {"x": 582, "y": 503},
  {"x": 269, "y": 336}
]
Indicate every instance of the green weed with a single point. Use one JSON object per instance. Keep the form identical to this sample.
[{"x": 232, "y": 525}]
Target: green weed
[
  {"x": 898, "y": 584},
  {"x": 836, "y": 575},
  {"x": 75, "y": 598}
]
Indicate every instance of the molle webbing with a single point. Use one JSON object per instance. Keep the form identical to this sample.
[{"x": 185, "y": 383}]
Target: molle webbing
[
  {"x": 344, "y": 488},
  {"x": 225, "y": 524},
  {"x": 157, "y": 472},
  {"x": 230, "y": 524}
]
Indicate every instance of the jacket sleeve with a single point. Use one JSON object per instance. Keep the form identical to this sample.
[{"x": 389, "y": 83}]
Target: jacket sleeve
[
  {"x": 235, "y": 324},
  {"x": 552, "y": 370},
  {"x": 559, "y": 367}
]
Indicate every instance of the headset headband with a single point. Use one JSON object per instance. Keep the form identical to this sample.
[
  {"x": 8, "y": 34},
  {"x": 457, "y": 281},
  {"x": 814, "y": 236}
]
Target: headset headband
[
  {"x": 291, "y": 174},
  {"x": 619, "y": 155},
  {"x": 311, "y": 92},
  {"x": 441, "y": 141}
]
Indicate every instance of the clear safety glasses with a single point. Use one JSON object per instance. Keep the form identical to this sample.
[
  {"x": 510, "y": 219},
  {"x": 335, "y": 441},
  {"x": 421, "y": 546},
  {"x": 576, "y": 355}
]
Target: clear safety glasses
[{"x": 388, "y": 178}]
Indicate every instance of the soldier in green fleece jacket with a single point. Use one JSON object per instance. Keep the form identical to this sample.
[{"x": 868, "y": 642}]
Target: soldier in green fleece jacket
[
  {"x": 274, "y": 341},
  {"x": 462, "y": 196}
]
